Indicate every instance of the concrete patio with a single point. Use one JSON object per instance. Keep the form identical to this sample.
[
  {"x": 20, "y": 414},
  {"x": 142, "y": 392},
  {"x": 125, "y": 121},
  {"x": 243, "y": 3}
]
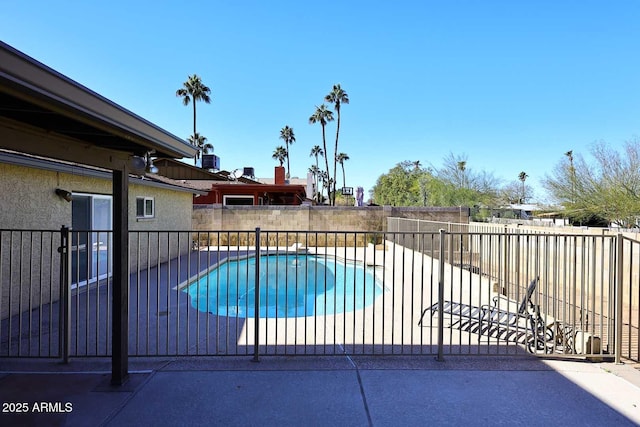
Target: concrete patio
[{"x": 348, "y": 391}]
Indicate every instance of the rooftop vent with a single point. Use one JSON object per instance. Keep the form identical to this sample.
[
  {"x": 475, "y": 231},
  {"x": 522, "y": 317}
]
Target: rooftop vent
[{"x": 248, "y": 172}]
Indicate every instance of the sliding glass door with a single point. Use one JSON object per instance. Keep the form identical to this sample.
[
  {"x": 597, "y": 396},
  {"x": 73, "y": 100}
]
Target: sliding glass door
[{"x": 91, "y": 238}]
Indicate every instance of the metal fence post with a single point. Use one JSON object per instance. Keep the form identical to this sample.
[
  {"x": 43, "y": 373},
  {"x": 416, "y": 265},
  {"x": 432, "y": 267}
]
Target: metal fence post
[
  {"x": 440, "y": 357},
  {"x": 256, "y": 316},
  {"x": 64, "y": 334},
  {"x": 618, "y": 299}
]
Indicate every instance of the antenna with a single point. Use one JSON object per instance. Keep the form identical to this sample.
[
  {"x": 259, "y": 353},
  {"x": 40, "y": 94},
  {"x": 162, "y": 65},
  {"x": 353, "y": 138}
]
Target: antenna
[{"x": 237, "y": 173}]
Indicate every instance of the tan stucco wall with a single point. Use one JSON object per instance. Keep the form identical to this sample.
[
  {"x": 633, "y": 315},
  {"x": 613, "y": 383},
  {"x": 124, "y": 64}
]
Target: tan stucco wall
[{"x": 28, "y": 201}]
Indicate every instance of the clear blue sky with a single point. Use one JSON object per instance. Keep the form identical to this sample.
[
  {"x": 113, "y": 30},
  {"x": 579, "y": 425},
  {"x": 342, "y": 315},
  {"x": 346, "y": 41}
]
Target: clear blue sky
[{"x": 510, "y": 84}]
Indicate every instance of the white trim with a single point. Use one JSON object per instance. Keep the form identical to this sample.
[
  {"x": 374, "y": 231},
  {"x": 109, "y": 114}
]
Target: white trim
[
  {"x": 231, "y": 196},
  {"x": 145, "y": 215}
]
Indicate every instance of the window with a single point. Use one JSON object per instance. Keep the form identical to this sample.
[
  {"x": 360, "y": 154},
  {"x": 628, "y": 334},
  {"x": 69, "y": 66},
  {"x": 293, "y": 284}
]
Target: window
[
  {"x": 237, "y": 200},
  {"x": 145, "y": 207}
]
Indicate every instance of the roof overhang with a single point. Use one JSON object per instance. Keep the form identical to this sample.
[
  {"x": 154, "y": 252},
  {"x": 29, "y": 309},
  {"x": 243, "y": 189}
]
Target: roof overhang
[
  {"x": 150, "y": 180},
  {"x": 249, "y": 188},
  {"x": 43, "y": 112}
]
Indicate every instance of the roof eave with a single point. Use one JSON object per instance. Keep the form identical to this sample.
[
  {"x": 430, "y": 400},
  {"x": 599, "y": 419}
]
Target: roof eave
[{"x": 25, "y": 78}]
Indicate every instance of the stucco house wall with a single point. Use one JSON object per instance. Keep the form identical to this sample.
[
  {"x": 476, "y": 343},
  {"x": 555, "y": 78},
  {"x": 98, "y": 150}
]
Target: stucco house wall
[
  {"x": 28, "y": 200},
  {"x": 29, "y": 205}
]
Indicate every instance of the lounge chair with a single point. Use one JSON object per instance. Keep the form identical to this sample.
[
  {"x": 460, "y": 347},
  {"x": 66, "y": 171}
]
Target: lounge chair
[
  {"x": 507, "y": 319},
  {"x": 454, "y": 309},
  {"x": 526, "y": 317},
  {"x": 506, "y": 311},
  {"x": 493, "y": 314}
]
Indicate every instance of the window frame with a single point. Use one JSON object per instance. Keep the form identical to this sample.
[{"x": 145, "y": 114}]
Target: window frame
[
  {"x": 146, "y": 200},
  {"x": 228, "y": 197}
]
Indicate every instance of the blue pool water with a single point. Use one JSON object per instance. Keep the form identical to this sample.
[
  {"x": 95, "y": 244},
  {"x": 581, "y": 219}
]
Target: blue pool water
[{"x": 292, "y": 285}]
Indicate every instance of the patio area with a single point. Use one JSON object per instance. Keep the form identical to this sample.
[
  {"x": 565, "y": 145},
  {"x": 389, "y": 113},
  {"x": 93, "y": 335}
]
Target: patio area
[{"x": 348, "y": 390}]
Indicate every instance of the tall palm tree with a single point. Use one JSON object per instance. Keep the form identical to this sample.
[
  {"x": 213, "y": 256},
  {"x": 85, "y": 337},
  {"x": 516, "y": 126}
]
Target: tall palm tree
[
  {"x": 341, "y": 158},
  {"x": 324, "y": 178},
  {"x": 200, "y": 142},
  {"x": 462, "y": 166},
  {"x": 522, "y": 176},
  {"x": 316, "y": 174},
  {"x": 286, "y": 134},
  {"x": 337, "y": 97},
  {"x": 315, "y": 152},
  {"x": 193, "y": 90},
  {"x": 322, "y": 115},
  {"x": 572, "y": 174},
  {"x": 280, "y": 154}
]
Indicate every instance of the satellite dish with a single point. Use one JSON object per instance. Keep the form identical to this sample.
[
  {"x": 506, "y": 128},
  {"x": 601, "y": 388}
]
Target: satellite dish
[{"x": 236, "y": 174}]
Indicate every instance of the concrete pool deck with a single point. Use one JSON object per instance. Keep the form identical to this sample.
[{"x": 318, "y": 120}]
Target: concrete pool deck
[{"x": 311, "y": 391}]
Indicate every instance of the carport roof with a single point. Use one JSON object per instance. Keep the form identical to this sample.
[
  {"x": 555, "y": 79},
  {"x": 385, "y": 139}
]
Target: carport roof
[{"x": 38, "y": 97}]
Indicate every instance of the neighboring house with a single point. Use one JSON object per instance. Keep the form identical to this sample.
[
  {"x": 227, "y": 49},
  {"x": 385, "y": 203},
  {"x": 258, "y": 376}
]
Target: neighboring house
[
  {"x": 236, "y": 192},
  {"x": 515, "y": 211},
  {"x": 307, "y": 182},
  {"x": 231, "y": 189}
]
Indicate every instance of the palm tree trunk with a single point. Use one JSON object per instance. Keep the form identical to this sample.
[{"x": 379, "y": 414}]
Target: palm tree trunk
[
  {"x": 195, "y": 159},
  {"x": 326, "y": 161},
  {"x": 288, "y": 173},
  {"x": 316, "y": 176},
  {"x": 335, "y": 154}
]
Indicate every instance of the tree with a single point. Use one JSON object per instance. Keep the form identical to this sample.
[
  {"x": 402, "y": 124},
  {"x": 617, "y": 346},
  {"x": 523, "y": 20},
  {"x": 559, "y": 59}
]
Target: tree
[
  {"x": 200, "y": 142},
  {"x": 342, "y": 157},
  {"x": 322, "y": 115},
  {"x": 324, "y": 179},
  {"x": 315, "y": 171},
  {"x": 408, "y": 185},
  {"x": 286, "y": 134},
  {"x": 399, "y": 187},
  {"x": 192, "y": 91},
  {"x": 280, "y": 154},
  {"x": 454, "y": 171},
  {"x": 607, "y": 186},
  {"x": 572, "y": 173},
  {"x": 462, "y": 166},
  {"x": 337, "y": 97},
  {"x": 315, "y": 152},
  {"x": 511, "y": 193},
  {"x": 522, "y": 176}
]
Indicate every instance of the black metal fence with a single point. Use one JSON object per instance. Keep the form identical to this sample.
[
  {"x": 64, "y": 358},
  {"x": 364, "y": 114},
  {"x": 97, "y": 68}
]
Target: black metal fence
[{"x": 437, "y": 292}]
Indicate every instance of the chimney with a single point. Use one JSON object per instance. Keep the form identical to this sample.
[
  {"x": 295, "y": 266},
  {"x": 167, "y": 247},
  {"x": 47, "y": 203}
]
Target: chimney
[{"x": 279, "y": 178}]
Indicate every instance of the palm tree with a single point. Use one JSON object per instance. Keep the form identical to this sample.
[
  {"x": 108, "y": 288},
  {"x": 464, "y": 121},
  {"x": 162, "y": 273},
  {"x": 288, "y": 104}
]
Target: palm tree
[
  {"x": 315, "y": 152},
  {"x": 200, "y": 142},
  {"x": 324, "y": 178},
  {"x": 193, "y": 90},
  {"x": 322, "y": 115},
  {"x": 286, "y": 134},
  {"x": 316, "y": 173},
  {"x": 337, "y": 97},
  {"x": 462, "y": 166},
  {"x": 280, "y": 154},
  {"x": 522, "y": 176},
  {"x": 341, "y": 158},
  {"x": 572, "y": 173}
]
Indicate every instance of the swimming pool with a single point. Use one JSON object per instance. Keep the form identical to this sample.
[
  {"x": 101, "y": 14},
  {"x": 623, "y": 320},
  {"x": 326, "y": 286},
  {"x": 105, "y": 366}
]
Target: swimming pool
[{"x": 291, "y": 285}]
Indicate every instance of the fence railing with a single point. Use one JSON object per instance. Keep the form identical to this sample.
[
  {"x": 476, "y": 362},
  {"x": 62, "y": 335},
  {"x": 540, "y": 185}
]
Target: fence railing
[{"x": 261, "y": 292}]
